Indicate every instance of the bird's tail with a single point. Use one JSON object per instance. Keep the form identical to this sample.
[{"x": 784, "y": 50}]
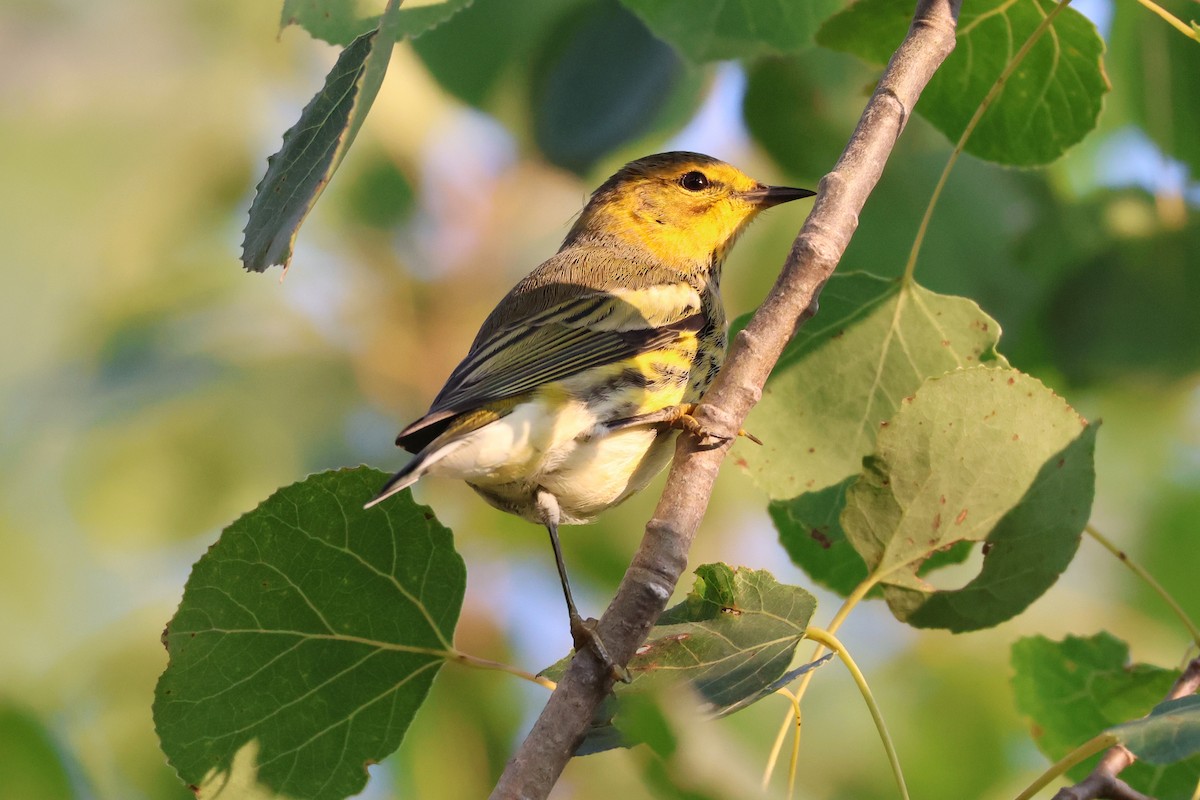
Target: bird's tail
[
  {"x": 403, "y": 479},
  {"x": 413, "y": 471}
]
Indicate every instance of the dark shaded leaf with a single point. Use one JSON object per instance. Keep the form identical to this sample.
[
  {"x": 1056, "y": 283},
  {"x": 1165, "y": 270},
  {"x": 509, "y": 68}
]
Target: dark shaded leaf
[
  {"x": 1130, "y": 310},
  {"x": 710, "y": 30},
  {"x": 502, "y": 37},
  {"x": 798, "y": 108},
  {"x": 602, "y": 81}
]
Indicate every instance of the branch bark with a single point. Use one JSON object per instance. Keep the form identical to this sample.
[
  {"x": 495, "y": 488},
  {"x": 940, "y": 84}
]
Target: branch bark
[
  {"x": 1102, "y": 782},
  {"x": 662, "y": 556}
]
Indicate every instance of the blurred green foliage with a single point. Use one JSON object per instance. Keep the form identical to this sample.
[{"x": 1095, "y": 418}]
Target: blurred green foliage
[{"x": 152, "y": 392}]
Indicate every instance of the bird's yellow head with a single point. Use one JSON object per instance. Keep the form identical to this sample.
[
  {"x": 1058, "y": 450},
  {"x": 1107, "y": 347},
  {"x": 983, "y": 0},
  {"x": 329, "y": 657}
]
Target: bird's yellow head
[{"x": 683, "y": 209}]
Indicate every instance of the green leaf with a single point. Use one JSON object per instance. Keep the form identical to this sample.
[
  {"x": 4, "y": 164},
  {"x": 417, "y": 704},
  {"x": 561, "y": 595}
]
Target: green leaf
[
  {"x": 33, "y": 765},
  {"x": 602, "y": 81},
  {"x": 307, "y": 638},
  {"x": 978, "y": 454},
  {"x": 1170, "y": 733},
  {"x": 1074, "y": 689},
  {"x": 314, "y": 147},
  {"x": 873, "y": 342},
  {"x": 340, "y": 22},
  {"x": 712, "y": 30},
  {"x": 1049, "y": 103},
  {"x": 731, "y": 639},
  {"x": 1154, "y": 68}
]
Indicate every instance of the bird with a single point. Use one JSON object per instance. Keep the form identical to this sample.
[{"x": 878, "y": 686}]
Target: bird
[{"x": 568, "y": 399}]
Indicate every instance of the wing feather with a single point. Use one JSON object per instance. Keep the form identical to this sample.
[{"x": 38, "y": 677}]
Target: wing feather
[{"x": 546, "y": 330}]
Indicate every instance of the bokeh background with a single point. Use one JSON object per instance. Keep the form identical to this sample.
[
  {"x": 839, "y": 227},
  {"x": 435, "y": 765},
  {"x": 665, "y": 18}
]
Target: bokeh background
[{"x": 151, "y": 391}]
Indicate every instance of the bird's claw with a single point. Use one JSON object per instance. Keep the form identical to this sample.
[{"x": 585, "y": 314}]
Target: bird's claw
[{"x": 583, "y": 634}]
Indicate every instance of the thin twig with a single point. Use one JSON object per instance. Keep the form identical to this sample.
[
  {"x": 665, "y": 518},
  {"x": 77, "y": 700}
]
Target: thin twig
[
  {"x": 1171, "y": 19},
  {"x": 662, "y": 556},
  {"x": 1149, "y": 580},
  {"x": 466, "y": 659}
]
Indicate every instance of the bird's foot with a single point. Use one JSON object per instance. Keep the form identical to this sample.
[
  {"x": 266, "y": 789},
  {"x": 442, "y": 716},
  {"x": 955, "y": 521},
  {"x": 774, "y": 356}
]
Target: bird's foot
[
  {"x": 583, "y": 633},
  {"x": 683, "y": 419},
  {"x": 677, "y": 416}
]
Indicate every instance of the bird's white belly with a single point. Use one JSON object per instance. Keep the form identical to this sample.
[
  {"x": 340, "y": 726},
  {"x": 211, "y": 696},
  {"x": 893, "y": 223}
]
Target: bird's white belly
[{"x": 564, "y": 452}]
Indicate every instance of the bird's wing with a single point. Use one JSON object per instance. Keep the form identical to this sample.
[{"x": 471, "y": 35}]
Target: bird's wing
[{"x": 553, "y": 331}]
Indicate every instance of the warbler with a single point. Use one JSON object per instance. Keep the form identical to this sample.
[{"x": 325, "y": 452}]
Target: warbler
[{"x": 568, "y": 400}]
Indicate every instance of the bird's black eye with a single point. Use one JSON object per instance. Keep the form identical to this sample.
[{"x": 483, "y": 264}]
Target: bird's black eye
[{"x": 694, "y": 181}]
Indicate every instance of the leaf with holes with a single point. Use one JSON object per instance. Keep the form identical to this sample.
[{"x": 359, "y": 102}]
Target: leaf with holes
[
  {"x": 731, "y": 639},
  {"x": 873, "y": 343},
  {"x": 314, "y": 147},
  {"x": 307, "y": 638},
  {"x": 1049, "y": 103},
  {"x": 981, "y": 454}
]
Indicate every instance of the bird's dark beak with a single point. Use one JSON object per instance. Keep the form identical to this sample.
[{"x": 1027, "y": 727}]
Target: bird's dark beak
[{"x": 767, "y": 196}]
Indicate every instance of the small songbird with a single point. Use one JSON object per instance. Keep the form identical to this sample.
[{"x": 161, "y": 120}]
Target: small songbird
[{"x": 567, "y": 402}]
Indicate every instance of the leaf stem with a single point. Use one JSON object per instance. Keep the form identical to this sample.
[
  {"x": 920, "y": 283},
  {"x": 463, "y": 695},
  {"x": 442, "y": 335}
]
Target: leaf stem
[
  {"x": 997, "y": 87},
  {"x": 1171, "y": 19},
  {"x": 468, "y": 660},
  {"x": 829, "y": 640},
  {"x": 795, "y": 759},
  {"x": 848, "y": 605},
  {"x": 1085, "y": 751},
  {"x": 1148, "y": 579}
]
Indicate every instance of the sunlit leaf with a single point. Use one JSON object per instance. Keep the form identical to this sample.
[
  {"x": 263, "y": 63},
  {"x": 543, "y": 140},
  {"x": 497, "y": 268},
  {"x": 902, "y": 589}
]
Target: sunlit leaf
[
  {"x": 341, "y": 21},
  {"x": 309, "y": 633},
  {"x": 1074, "y": 689},
  {"x": 710, "y": 30},
  {"x": 731, "y": 639},
  {"x": 1049, "y": 103},
  {"x": 873, "y": 343},
  {"x": 977, "y": 454},
  {"x": 314, "y": 147}
]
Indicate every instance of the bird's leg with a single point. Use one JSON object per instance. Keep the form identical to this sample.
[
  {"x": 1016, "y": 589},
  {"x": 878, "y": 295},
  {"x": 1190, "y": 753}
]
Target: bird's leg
[
  {"x": 583, "y": 632},
  {"x": 676, "y": 416}
]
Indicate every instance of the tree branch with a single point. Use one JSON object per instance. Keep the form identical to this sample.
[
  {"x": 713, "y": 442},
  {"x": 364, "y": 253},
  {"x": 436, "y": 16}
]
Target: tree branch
[
  {"x": 1102, "y": 782},
  {"x": 662, "y": 556}
]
